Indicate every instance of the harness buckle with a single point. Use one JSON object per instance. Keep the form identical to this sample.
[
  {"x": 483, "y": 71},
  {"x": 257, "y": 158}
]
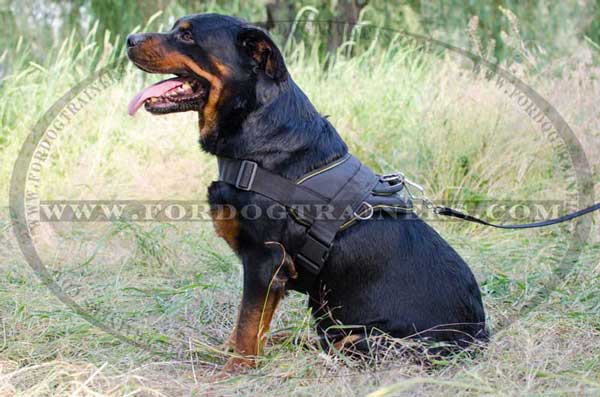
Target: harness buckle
[
  {"x": 313, "y": 254},
  {"x": 246, "y": 174}
]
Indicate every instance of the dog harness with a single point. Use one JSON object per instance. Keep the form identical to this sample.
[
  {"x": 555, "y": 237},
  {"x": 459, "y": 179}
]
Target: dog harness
[{"x": 323, "y": 202}]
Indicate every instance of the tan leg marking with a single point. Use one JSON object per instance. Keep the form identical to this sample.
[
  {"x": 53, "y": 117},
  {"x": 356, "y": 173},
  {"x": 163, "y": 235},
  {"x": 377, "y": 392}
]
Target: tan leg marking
[
  {"x": 227, "y": 225},
  {"x": 254, "y": 320},
  {"x": 346, "y": 341}
]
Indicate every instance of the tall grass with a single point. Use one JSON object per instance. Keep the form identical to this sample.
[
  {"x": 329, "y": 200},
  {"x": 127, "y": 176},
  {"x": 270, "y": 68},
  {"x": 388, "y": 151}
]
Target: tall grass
[
  {"x": 404, "y": 109},
  {"x": 554, "y": 27},
  {"x": 399, "y": 108}
]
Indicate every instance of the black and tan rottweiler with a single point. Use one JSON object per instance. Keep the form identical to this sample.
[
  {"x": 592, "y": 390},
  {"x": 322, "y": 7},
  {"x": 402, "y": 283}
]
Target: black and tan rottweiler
[{"x": 396, "y": 276}]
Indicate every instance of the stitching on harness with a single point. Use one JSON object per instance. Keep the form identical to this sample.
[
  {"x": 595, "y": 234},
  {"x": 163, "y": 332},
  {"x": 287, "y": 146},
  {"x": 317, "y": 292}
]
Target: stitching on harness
[
  {"x": 320, "y": 171},
  {"x": 297, "y": 218}
]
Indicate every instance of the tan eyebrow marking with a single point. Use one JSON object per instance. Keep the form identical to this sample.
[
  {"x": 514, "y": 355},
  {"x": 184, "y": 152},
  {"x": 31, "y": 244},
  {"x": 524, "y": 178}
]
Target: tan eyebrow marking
[{"x": 185, "y": 25}]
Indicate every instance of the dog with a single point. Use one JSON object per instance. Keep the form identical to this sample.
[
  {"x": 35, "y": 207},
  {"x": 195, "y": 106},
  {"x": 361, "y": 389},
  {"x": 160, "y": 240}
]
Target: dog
[{"x": 393, "y": 276}]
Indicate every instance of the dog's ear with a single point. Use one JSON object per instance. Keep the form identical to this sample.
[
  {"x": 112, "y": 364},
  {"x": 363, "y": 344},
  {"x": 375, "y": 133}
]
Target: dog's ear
[{"x": 260, "y": 47}]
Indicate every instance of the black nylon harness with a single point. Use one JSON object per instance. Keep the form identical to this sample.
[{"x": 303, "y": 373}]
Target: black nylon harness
[
  {"x": 347, "y": 189},
  {"x": 351, "y": 192}
]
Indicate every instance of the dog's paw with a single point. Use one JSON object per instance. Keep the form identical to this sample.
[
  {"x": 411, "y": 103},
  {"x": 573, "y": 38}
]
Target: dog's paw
[
  {"x": 234, "y": 366},
  {"x": 229, "y": 344},
  {"x": 238, "y": 365}
]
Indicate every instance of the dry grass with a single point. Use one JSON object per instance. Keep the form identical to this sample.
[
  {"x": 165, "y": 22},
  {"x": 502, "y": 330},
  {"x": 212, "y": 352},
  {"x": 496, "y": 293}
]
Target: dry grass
[{"x": 430, "y": 117}]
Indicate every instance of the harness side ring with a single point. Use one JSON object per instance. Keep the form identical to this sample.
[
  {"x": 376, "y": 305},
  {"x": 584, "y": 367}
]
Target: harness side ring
[{"x": 370, "y": 212}]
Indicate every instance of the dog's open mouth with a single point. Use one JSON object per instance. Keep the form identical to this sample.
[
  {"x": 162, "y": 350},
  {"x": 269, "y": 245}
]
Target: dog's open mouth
[{"x": 178, "y": 94}]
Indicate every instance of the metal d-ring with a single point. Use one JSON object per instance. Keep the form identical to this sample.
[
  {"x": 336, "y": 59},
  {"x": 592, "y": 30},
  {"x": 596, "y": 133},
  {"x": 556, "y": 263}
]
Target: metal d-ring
[
  {"x": 394, "y": 177},
  {"x": 369, "y": 214}
]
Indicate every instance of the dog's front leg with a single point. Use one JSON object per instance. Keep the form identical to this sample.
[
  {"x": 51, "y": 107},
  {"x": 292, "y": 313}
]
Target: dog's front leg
[{"x": 265, "y": 276}]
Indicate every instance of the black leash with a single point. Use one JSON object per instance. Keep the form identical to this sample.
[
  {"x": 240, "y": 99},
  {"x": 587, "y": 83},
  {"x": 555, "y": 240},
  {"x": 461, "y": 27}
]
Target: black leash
[
  {"x": 450, "y": 212},
  {"x": 446, "y": 211}
]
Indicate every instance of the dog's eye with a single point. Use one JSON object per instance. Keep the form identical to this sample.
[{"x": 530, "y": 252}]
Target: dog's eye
[{"x": 186, "y": 36}]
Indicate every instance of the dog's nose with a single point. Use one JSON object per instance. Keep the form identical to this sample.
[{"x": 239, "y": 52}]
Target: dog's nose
[{"x": 135, "y": 39}]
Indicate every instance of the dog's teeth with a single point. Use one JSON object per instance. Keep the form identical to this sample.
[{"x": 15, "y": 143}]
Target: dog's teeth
[
  {"x": 186, "y": 86},
  {"x": 153, "y": 99}
]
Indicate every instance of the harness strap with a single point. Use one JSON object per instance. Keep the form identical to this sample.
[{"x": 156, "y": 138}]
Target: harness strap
[
  {"x": 247, "y": 175},
  {"x": 344, "y": 202}
]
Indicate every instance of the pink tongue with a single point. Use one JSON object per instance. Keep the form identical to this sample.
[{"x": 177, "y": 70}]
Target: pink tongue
[{"x": 157, "y": 89}]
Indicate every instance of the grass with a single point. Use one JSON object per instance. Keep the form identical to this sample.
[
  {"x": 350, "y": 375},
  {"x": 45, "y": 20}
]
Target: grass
[{"x": 398, "y": 108}]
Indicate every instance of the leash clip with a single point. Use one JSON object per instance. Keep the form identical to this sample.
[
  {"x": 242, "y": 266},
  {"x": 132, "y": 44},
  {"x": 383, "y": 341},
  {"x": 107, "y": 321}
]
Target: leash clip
[
  {"x": 401, "y": 178},
  {"x": 420, "y": 188}
]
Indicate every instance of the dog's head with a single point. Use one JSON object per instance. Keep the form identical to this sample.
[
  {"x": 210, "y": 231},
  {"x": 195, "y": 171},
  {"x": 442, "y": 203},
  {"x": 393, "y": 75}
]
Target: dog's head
[{"x": 222, "y": 64}]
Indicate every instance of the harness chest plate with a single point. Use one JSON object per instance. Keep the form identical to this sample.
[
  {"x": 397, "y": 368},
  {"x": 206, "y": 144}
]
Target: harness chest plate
[{"x": 323, "y": 201}]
